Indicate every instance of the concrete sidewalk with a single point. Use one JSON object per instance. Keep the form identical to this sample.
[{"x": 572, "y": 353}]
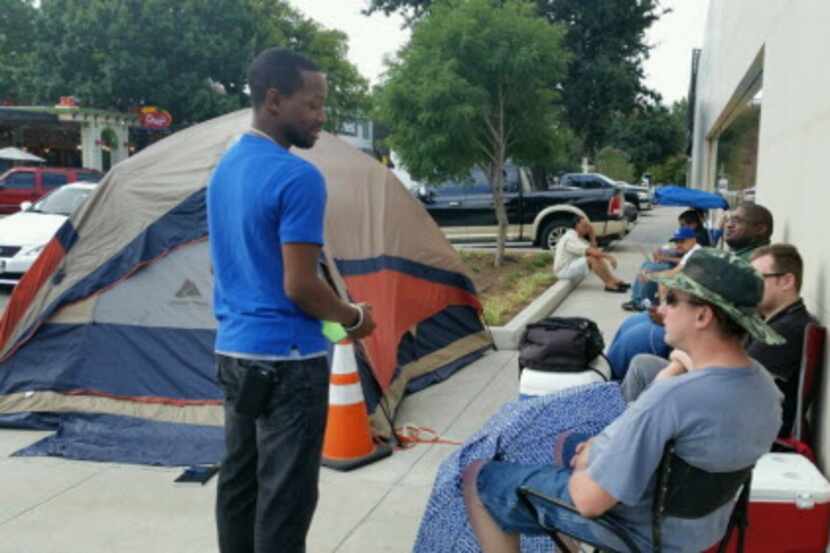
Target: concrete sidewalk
[{"x": 50, "y": 505}]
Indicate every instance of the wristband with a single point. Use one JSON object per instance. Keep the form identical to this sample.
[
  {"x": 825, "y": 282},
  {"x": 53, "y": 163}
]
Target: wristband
[{"x": 359, "y": 319}]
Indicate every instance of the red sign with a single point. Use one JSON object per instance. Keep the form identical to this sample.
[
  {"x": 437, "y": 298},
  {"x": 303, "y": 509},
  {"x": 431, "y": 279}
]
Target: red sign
[
  {"x": 67, "y": 102},
  {"x": 155, "y": 119}
]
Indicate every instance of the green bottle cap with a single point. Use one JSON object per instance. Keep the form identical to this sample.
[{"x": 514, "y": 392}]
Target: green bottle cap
[{"x": 334, "y": 331}]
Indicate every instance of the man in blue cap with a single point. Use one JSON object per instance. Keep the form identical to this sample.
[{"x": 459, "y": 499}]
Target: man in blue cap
[{"x": 685, "y": 242}]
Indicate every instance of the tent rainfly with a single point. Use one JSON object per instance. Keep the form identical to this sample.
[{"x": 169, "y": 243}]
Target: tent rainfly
[{"x": 109, "y": 336}]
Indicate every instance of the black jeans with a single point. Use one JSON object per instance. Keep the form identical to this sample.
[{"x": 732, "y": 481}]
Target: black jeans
[{"x": 267, "y": 489}]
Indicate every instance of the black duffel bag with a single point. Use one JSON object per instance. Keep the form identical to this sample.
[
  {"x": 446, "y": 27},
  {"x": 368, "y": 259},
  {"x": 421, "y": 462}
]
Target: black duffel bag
[{"x": 560, "y": 344}]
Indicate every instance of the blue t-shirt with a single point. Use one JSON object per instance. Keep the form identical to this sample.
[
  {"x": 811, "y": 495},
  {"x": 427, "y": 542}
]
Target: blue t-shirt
[
  {"x": 260, "y": 197},
  {"x": 722, "y": 419}
]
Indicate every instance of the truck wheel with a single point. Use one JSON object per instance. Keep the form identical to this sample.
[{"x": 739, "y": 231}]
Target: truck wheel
[{"x": 553, "y": 231}]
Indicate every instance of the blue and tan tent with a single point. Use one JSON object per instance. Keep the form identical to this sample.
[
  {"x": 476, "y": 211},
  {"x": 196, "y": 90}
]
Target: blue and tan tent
[{"x": 109, "y": 337}]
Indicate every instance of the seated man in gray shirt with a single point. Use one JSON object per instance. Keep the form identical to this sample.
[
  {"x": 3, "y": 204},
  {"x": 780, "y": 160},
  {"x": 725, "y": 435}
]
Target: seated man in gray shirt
[{"x": 719, "y": 415}]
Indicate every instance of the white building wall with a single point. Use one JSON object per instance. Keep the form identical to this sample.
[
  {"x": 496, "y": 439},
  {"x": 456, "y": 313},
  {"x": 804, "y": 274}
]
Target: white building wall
[{"x": 789, "y": 42}]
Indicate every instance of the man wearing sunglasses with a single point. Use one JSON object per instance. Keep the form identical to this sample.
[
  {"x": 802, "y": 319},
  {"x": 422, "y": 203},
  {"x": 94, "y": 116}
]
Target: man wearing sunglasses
[
  {"x": 710, "y": 306},
  {"x": 747, "y": 228},
  {"x": 783, "y": 310}
]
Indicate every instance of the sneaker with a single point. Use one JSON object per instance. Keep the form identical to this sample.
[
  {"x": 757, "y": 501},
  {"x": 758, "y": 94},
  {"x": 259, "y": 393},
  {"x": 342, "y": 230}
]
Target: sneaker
[{"x": 632, "y": 306}]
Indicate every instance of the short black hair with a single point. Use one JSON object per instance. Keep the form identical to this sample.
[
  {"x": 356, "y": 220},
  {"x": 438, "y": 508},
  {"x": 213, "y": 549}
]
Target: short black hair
[
  {"x": 758, "y": 215},
  {"x": 691, "y": 216},
  {"x": 278, "y": 68}
]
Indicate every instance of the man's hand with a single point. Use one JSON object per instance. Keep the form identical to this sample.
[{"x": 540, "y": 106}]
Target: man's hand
[
  {"x": 681, "y": 357},
  {"x": 580, "y": 460},
  {"x": 367, "y": 325},
  {"x": 679, "y": 363}
]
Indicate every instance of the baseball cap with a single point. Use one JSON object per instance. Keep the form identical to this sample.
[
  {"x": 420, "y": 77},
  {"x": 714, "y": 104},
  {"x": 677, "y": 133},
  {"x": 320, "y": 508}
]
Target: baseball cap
[
  {"x": 727, "y": 281},
  {"x": 683, "y": 233}
]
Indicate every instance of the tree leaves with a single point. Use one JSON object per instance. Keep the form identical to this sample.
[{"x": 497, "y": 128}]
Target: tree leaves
[{"x": 176, "y": 54}]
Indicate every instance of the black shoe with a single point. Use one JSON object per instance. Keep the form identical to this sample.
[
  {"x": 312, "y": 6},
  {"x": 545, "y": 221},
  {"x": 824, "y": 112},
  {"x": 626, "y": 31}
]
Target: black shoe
[
  {"x": 625, "y": 285},
  {"x": 616, "y": 289},
  {"x": 632, "y": 306}
]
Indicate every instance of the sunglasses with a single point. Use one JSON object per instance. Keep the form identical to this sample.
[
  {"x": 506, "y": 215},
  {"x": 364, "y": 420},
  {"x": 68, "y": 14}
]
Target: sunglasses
[
  {"x": 771, "y": 275},
  {"x": 673, "y": 299}
]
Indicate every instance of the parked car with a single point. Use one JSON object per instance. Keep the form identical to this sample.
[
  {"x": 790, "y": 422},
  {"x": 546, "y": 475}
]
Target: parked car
[
  {"x": 644, "y": 195},
  {"x": 637, "y": 195},
  {"x": 464, "y": 209},
  {"x": 631, "y": 215},
  {"x": 24, "y": 234},
  {"x": 29, "y": 184}
]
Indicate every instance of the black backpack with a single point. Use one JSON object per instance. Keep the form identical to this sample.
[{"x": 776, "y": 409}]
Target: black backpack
[{"x": 560, "y": 344}]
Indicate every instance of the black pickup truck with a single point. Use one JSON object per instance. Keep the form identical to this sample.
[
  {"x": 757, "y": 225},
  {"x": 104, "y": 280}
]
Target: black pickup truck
[{"x": 464, "y": 209}]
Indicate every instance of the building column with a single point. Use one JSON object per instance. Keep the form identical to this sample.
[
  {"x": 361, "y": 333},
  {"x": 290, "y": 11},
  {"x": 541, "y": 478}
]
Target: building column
[{"x": 90, "y": 149}]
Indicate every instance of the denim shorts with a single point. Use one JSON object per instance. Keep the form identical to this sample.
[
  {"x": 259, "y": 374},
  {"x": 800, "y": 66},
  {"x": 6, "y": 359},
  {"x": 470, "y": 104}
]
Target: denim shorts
[{"x": 498, "y": 485}]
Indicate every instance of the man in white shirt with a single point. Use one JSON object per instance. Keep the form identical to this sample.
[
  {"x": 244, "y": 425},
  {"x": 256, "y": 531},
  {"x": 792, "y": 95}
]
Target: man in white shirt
[{"x": 577, "y": 254}]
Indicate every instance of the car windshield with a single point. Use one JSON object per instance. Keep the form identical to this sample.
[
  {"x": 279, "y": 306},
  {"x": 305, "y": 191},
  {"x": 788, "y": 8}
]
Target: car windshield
[
  {"x": 477, "y": 182},
  {"x": 606, "y": 179},
  {"x": 63, "y": 201}
]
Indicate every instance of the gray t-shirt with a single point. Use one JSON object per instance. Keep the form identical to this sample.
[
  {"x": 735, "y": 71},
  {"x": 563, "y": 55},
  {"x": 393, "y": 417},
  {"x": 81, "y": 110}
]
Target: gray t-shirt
[{"x": 722, "y": 419}]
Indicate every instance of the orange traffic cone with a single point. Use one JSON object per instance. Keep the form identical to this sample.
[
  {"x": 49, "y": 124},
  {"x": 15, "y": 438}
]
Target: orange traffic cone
[{"x": 348, "y": 442}]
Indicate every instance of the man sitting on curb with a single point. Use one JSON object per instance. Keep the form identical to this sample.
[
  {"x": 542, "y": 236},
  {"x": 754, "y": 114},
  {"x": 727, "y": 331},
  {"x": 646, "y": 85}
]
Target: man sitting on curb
[
  {"x": 577, "y": 254},
  {"x": 685, "y": 242},
  {"x": 708, "y": 310},
  {"x": 784, "y": 311}
]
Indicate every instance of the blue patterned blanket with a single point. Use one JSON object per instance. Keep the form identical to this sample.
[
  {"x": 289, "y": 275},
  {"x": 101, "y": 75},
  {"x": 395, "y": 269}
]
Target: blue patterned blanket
[{"x": 524, "y": 432}]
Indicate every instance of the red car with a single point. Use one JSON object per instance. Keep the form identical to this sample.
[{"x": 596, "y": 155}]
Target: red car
[{"x": 29, "y": 184}]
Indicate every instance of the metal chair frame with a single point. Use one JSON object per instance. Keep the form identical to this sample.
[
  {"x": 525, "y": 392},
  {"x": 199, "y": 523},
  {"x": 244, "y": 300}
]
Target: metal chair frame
[{"x": 681, "y": 490}]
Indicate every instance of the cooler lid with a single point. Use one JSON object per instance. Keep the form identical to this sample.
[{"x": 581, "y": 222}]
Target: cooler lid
[{"x": 788, "y": 477}]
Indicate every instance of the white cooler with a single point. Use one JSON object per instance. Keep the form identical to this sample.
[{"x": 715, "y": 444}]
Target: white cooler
[
  {"x": 539, "y": 383},
  {"x": 789, "y": 507}
]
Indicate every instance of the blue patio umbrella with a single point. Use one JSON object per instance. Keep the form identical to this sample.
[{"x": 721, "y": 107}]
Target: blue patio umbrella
[{"x": 689, "y": 197}]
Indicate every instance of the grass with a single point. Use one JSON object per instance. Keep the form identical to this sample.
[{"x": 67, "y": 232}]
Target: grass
[{"x": 506, "y": 290}]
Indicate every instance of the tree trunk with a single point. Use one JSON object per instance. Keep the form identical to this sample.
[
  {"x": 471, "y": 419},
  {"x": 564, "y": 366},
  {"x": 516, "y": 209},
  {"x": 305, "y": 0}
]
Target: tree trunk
[
  {"x": 497, "y": 185},
  {"x": 497, "y": 179}
]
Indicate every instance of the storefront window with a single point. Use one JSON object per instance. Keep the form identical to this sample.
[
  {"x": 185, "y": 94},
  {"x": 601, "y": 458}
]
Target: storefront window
[{"x": 737, "y": 159}]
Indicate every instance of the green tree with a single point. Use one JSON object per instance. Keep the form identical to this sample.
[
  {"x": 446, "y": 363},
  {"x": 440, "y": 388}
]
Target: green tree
[
  {"x": 117, "y": 54},
  {"x": 671, "y": 171},
  {"x": 650, "y": 134},
  {"x": 278, "y": 24},
  {"x": 187, "y": 56},
  {"x": 614, "y": 163},
  {"x": 474, "y": 87},
  {"x": 608, "y": 43},
  {"x": 17, "y": 43}
]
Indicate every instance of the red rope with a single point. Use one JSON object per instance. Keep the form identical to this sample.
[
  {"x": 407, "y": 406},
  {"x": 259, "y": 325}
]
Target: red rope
[{"x": 409, "y": 435}]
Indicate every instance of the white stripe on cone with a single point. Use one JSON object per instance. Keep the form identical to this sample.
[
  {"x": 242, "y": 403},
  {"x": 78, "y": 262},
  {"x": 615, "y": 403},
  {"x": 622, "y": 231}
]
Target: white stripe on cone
[
  {"x": 345, "y": 394},
  {"x": 343, "y": 360}
]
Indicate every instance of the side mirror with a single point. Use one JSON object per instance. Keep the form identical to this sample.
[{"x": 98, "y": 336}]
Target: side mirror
[
  {"x": 425, "y": 194},
  {"x": 25, "y": 206}
]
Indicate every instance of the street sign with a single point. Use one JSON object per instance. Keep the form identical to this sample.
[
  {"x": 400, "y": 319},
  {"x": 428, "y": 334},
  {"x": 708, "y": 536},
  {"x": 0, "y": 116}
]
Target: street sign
[{"x": 155, "y": 119}]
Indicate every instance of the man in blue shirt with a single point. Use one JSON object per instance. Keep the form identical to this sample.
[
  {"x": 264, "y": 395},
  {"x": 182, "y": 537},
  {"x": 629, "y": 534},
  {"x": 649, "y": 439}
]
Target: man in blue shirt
[{"x": 266, "y": 210}]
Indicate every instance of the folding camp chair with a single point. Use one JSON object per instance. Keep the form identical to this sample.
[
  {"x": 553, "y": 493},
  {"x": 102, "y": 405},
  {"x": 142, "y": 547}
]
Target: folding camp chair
[
  {"x": 809, "y": 378},
  {"x": 681, "y": 490}
]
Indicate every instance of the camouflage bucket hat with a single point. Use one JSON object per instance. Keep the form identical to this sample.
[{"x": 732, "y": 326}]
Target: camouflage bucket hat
[{"x": 729, "y": 282}]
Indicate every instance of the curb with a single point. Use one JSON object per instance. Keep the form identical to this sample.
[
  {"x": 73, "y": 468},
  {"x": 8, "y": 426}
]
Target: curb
[{"x": 506, "y": 338}]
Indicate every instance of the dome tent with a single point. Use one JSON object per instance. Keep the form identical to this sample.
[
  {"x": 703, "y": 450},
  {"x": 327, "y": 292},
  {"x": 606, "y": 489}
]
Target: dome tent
[{"x": 110, "y": 335}]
